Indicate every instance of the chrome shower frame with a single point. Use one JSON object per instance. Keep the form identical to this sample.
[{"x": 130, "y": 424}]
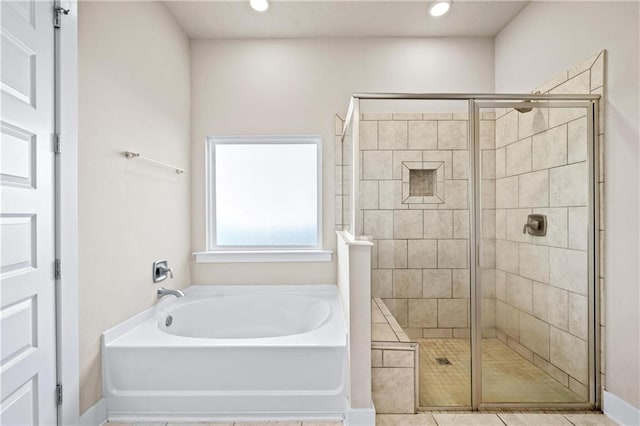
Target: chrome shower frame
[{"x": 509, "y": 100}]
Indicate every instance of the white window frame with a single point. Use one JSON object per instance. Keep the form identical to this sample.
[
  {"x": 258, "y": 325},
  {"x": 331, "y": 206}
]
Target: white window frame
[{"x": 273, "y": 253}]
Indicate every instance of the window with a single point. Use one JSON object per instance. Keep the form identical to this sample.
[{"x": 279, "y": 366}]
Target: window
[{"x": 264, "y": 194}]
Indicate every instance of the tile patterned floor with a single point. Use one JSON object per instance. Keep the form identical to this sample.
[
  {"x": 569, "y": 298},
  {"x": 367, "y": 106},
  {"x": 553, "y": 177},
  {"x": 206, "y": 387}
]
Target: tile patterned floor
[
  {"x": 500, "y": 419},
  {"x": 445, "y": 385},
  {"x": 437, "y": 419},
  {"x": 507, "y": 376}
]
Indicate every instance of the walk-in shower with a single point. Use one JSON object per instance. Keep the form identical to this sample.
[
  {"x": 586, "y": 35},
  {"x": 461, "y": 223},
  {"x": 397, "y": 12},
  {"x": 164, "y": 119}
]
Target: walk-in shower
[{"x": 483, "y": 212}]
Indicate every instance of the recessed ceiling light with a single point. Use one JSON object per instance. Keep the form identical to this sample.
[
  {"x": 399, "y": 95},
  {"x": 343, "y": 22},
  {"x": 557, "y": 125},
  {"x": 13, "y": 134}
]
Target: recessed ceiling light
[
  {"x": 440, "y": 7},
  {"x": 259, "y": 5}
]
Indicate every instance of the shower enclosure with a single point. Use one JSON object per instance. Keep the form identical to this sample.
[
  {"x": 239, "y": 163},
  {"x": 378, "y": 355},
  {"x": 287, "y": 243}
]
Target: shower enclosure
[{"x": 483, "y": 211}]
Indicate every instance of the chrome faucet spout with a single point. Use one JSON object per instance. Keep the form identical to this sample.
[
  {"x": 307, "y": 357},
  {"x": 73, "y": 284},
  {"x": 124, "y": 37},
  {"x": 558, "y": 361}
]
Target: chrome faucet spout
[{"x": 169, "y": 292}]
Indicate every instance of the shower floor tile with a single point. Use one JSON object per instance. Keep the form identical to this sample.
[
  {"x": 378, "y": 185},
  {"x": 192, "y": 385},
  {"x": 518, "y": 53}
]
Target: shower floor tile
[
  {"x": 444, "y": 385},
  {"x": 507, "y": 376}
]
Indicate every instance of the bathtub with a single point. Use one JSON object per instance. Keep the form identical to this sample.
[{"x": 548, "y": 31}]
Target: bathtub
[{"x": 230, "y": 353}]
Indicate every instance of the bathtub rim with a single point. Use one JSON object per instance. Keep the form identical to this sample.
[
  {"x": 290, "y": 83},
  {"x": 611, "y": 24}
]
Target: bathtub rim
[
  {"x": 312, "y": 322},
  {"x": 141, "y": 330}
]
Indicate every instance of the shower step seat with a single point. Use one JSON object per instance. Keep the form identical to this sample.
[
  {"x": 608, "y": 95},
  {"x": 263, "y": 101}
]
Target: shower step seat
[{"x": 394, "y": 363}]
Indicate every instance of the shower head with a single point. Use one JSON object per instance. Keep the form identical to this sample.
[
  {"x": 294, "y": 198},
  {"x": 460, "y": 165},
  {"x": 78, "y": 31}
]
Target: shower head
[{"x": 524, "y": 110}]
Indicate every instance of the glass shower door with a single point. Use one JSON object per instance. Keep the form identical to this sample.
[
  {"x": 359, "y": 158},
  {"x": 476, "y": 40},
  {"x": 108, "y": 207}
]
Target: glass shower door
[{"x": 535, "y": 230}]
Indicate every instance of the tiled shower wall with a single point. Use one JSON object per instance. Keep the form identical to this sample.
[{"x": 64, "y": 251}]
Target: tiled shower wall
[
  {"x": 534, "y": 289},
  {"x": 420, "y": 259},
  {"x": 542, "y": 282}
]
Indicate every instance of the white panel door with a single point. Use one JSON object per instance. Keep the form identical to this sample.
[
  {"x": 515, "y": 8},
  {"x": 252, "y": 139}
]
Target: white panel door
[{"x": 27, "y": 281}]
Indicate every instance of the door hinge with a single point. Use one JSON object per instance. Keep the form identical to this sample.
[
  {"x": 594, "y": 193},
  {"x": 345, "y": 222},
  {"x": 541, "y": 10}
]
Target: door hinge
[
  {"x": 57, "y": 144},
  {"x": 59, "y": 394},
  {"x": 58, "y": 11},
  {"x": 58, "y": 269}
]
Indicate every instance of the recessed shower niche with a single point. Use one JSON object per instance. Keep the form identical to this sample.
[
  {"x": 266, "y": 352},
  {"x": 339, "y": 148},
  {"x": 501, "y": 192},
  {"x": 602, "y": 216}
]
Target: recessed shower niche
[{"x": 422, "y": 182}]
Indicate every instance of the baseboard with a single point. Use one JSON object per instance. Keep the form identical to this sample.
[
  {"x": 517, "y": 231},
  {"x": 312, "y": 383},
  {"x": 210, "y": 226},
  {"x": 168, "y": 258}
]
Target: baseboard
[
  {"x": 360, "y": 416},
  {"x": 620, "y": 410},
  {"x": 96, "y": 415},
  {"x": 196, "y": 418}
]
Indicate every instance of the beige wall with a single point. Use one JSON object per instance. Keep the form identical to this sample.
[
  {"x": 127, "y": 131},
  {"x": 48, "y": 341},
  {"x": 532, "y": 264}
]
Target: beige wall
[
  {"x": 133, "y": 95},
  {"x": 295, "y": 86},
  {"x": 545, "y": 38}
]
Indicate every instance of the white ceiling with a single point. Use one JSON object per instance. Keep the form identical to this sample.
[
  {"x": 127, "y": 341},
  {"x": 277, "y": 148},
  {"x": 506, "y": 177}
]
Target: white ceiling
[{"x": 341, "y": 18}]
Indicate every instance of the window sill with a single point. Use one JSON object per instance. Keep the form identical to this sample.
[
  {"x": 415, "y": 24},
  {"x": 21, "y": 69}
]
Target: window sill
[{"x": 270, "y": 256}]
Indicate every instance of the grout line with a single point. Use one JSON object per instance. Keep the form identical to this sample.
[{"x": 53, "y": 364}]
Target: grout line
[
  {"x": 501, "y": 419},
  {"x": 569, "y": 420}
]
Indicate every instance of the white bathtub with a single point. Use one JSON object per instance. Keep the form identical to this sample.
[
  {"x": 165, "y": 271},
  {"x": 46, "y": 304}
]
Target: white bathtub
[{"x": 230, "y": 353}]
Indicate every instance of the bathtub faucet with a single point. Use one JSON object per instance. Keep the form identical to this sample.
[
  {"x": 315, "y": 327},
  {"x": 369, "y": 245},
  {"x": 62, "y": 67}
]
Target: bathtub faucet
[{"x": 167, "y": 292}]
